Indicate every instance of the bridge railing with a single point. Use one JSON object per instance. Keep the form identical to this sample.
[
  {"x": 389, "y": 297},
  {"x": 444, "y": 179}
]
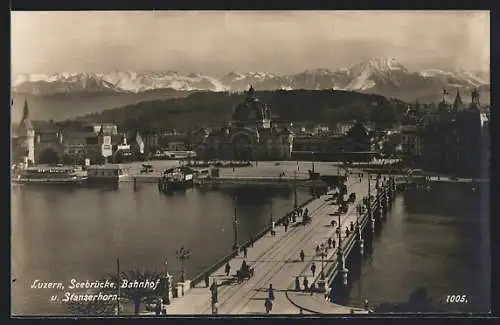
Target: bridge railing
[{"x": 349, "y": 242}]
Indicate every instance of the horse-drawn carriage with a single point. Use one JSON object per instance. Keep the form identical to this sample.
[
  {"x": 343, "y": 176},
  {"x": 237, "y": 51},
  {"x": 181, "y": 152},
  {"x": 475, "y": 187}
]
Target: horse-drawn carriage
[
  {"x": 244, "y": 273},
  {"x": 146, "y": 168}
]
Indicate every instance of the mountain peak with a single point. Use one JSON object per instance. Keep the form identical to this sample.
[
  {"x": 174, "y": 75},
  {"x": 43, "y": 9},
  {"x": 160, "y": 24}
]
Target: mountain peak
[{"x": 384, "y": 64}]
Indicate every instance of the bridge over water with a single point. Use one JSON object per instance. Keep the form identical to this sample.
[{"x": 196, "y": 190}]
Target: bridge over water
[{"x": 275, "y": 259}]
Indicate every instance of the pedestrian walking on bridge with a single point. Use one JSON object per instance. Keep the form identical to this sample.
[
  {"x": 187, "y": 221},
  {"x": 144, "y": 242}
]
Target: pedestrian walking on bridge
[
  {"x": 302, "y": 255},
  {"x": 313, "y": 269},
  {"x": 228, "y": 269},
  {"x": 305, "y": 283},
  {"x": 271, "y": 292},
  {"x": 245, "y": 251},
  {"x": 268, "y": 304}
]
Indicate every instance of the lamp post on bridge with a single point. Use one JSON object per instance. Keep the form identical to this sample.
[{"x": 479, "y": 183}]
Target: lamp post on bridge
[
  {"x": 182, "y": 255},
  {"x": 313, "y": 159},
  {"x": 235, "y": 224},
  {"x": 271, "y": 214},
  {"x": 323, "y": 255},
  {"x": 167, "y": 285},
  {"x": 295, "y": 205}
]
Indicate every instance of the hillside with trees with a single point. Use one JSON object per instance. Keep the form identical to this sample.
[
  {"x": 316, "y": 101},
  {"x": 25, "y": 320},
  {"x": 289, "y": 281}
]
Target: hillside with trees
[{"x": 215, "y": 108}]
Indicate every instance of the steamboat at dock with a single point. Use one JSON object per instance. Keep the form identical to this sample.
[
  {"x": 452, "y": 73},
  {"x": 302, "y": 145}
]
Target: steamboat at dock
[
  {"x": 50, "y": 175},
  {"x": 177, "y": 178}
]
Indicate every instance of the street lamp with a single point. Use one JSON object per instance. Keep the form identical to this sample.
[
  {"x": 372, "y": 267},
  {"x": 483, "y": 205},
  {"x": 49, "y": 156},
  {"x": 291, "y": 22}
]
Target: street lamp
[
  {"x": 235, "y": 223},
  {"x": 167, "y": 285},
  {"x": 182, "y": 255},
  {"x": 271, "y": 213},
  {"x": 295, "y": 190},
  {"x": 323, "y": 255},
  {"x": 214, "y": 297},
  {"x": 118, "y": 278}
]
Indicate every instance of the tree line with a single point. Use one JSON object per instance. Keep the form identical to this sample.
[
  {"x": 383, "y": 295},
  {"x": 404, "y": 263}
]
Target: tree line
[{"x": 216, "y": 108}]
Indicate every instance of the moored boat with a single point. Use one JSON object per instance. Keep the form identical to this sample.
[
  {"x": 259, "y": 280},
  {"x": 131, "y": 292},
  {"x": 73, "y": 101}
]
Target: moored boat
[
  {"x": 49, "y": 175},
  {"x": 177, "y": 178}
]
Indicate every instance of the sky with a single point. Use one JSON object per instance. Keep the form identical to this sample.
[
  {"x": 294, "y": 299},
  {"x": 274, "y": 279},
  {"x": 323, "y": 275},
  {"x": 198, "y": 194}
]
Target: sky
[{"x": 216, "y": 42}]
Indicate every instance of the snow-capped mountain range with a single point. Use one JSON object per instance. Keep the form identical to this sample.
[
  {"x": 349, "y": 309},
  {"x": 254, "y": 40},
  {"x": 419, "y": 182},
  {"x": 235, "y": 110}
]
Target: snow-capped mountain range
[{"x": 384, "y": 76}]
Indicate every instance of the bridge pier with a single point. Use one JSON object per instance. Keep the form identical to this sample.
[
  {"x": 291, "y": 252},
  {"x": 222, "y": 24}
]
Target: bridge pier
[
  {"x": 345, "y": 272},
  {"x": 361, "y": 243}
]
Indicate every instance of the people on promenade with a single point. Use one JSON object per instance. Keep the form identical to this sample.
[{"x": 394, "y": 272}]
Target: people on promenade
[
  {"x": 207, "y": 280},
  {"x": 347, "y": 231},
  {"x": 329, "y": 242},
  {"x": 244, "y": 266},
  {"x": 352, "y": 226},
  {"x": 317, "y": 249},
  {"x": 271, "y": 292},
  {"x": 334, "y": 243},
  {"x": 302, "y": 255},
  {"x": 228, "y": 269},
  {"x": 313, "y": 269},
  {"x": 305, "y": 283},
  {"x": 312, "y": 289},
  {"x": 268, "y": 304},
  {"x": 286, "y": 225},
  {"x": 245, "y": 252}
]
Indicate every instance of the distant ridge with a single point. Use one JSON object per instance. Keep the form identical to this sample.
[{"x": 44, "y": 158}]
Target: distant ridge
[{"x": 385, "y": 76}]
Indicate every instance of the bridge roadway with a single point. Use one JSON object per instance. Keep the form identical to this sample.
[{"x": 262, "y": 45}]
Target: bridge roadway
[{"x": 276, "y": 261}]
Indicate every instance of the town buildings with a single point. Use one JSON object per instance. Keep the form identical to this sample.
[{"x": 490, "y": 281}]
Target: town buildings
[
  {"x": 50, "y": 143},
  {"x": 452, "y": 139},
  {"x": 355, "y": 145}
]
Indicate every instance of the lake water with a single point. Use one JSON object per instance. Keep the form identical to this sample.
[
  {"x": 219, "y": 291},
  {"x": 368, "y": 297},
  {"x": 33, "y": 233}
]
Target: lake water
[
  {"x": 437, "y": 240},
  {"x": 60, "y": 233}
]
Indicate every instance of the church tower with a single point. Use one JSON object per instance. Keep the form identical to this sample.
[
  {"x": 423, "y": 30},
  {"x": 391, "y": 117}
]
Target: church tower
[
  {"x": 27, "y": 133},
  {"x": 458, "y": 104}
]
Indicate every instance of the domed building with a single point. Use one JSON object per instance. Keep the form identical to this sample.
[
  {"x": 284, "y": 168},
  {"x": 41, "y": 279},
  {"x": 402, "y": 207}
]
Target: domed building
[{"x": 251, "y": 135}]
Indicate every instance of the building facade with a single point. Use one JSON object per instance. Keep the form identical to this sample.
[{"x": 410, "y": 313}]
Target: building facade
[
  {"x": 453, "y": 138},
  {"x": 355, "y": 145},
  {"x": 411, "y": 145},
  {"x": 251, "y": 135}
]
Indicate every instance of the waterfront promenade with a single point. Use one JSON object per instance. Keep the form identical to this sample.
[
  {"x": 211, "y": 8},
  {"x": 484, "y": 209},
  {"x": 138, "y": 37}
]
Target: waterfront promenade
[{"x": 276, "y": 261}]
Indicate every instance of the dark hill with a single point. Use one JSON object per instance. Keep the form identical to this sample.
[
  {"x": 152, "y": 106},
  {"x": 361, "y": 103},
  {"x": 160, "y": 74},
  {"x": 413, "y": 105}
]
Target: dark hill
[{"x": 210, "y": 108}]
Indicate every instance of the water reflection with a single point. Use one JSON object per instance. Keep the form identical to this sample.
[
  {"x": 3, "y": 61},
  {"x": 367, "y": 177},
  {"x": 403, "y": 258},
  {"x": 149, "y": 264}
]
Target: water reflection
[{"x": 433, "y": 240}]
